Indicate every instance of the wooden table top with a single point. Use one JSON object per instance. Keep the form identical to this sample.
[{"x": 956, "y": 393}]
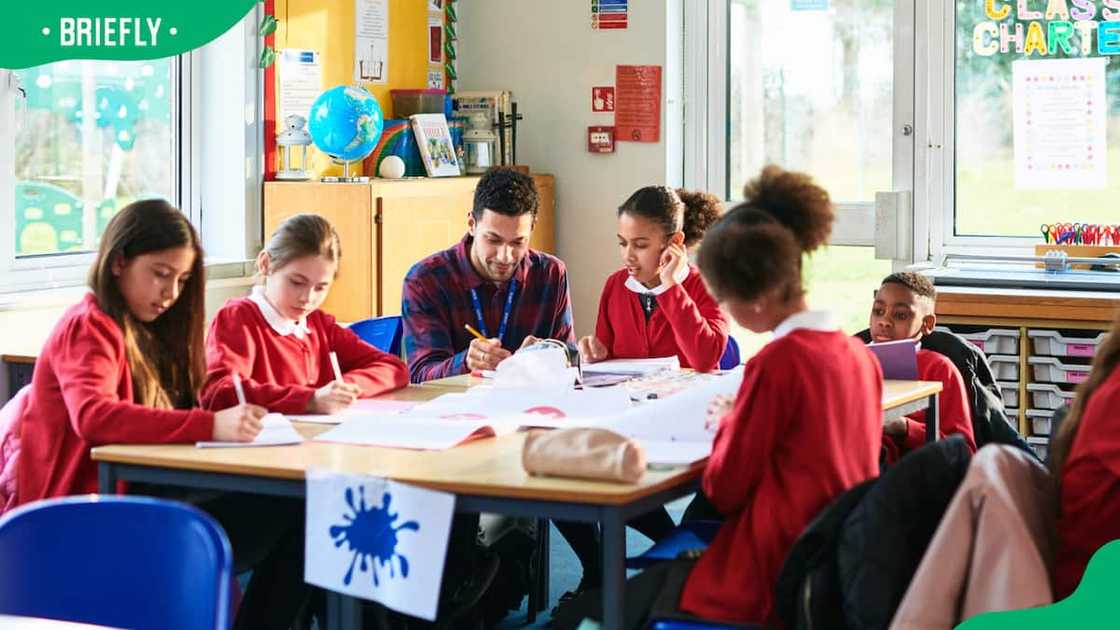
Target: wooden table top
[{"x": 489, "y": 467}]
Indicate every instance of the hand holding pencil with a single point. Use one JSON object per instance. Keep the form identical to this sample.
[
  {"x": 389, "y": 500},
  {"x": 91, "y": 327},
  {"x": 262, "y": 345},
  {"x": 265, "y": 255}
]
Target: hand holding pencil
[
  {"x": 336, "y": 395},
  {"x": 241, "y": 423},
  {"x": 483, "y": 353}
]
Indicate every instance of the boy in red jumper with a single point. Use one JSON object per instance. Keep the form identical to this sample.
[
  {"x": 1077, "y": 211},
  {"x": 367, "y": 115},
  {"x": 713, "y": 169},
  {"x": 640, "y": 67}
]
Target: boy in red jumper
[{"x": 904, "y": 309}]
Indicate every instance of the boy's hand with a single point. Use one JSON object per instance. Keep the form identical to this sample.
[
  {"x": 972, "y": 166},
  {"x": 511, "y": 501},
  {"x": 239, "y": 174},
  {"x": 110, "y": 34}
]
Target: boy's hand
[{"x": 895, "y": 427}]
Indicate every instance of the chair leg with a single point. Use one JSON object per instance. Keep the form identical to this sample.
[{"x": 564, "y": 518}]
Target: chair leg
[{"x": 538, "y": 588}]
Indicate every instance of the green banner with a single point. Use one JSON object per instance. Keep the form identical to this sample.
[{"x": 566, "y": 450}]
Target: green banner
[{"x": 35, "y": 33}]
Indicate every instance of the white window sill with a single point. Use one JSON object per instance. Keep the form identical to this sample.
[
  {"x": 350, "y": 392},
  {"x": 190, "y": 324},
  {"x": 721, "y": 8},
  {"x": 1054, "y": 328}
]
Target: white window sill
[{"x": 219, "y": 274}]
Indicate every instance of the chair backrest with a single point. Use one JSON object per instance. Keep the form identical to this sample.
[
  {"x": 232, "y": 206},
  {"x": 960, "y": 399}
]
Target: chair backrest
[
  {"x": 730, "y": 356},
  {"x": 124, "y": 562},
  {"x": 383, "y": 333}
]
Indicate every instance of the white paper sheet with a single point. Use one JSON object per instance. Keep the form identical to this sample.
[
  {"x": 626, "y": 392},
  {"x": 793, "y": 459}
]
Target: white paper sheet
[
  {"x": 377, "y": 539},
  {"x": 660, "y": 453},
  {"x": 559, "y": 404},
  {"x": 639, "y": 367},
  {"x": 681, "y": 417},
  {"x": 301, "y": 82},
  {"x": 276, "y": 431},
  {"x": 361, "y": 408},
  {"x": 417, "y": 432},
  {"x": 371, "y": 41}
]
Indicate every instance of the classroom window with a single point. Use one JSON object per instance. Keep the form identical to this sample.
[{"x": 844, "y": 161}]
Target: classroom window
[
  {"x": 90, "y": 137},
  {"x": 810, "y": 88},
  {"x": 1037, "y": 121}
]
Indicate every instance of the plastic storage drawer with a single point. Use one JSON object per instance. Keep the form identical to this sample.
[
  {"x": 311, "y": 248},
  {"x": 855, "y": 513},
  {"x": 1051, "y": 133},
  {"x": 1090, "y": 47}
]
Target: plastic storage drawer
[
  {"x": 1051, "y": 370},
  {"x": 1041, "y": 446},
  {"x": 993, "y": 340},
  {"x": 1010, "y": 392},
  {"x": 1052, "y": 343},
  {"x": 1004, "y": 367},
  {"x": 1040, "y": 421},
  {"x": 1046, "y": 396}
]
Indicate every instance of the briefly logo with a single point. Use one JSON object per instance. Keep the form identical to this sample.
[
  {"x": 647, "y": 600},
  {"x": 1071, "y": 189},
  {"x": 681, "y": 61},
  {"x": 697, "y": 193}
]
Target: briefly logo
[
  {"x": 111, "y": 32},
  {"x": 371, "y": 535}
]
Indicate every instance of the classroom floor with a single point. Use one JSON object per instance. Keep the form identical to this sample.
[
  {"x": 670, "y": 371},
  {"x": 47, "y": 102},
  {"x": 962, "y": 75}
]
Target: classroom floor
[{"x": 566, "y": 571}]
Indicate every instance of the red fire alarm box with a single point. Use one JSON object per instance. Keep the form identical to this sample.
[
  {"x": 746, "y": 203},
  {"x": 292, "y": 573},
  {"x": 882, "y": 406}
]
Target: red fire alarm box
[{"x": 600, "y": 139}]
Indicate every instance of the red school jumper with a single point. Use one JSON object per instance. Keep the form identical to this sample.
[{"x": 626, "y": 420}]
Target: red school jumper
[
  {"x": 282, "y": 371},
  {"x": 687, "y": 323},
  {"x": 81, "y": 396},
  {"x": 1090, "y": 487},
  {"x": 805, "y": 427},
  {"x": 954, "y": 413}
]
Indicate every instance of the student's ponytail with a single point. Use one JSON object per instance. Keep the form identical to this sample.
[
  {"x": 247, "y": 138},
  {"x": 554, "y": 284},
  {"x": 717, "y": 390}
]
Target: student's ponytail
[
  {"x": 756, "y": 248},
  {"x": 687, "y": 211},
  {"x": 1105, "y": 361}
]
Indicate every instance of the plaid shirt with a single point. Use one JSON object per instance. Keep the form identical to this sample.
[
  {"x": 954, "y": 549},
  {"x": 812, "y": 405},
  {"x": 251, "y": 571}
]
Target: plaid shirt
[{"x": 437, "y": 303}]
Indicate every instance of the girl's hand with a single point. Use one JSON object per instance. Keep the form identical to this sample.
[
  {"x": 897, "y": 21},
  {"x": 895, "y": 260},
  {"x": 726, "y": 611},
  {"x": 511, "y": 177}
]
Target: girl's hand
[
  {"x": 717, "y": 409},
  {"x": 238, "y": 424},
  {"x": 592, "y": 350},
  {"x": 673, "y": 259},
  {"x": 333, "y": 397}
]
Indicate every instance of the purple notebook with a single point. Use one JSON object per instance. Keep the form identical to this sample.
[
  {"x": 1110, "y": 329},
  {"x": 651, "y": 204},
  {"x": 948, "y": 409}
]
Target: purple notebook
[{"x": 899, "y": 359}]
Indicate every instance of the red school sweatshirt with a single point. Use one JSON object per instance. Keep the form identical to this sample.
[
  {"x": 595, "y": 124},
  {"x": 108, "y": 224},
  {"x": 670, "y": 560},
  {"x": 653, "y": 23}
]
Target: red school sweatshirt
[
  {"x": 687, "y": 323},
  {"x": 282, "y": 372},
  {"x": 806, "y": 426},
  {"x": 81, "y": 396},
  {"x": 954, "y": 412},
  {"x": 1090, "y": 487}
]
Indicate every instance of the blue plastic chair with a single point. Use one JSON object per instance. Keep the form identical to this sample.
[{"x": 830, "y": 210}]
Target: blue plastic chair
[
  {"x": 383, "y": 333},
  {"x": 730, "y": 356},
  {"x": 124, "y": 562},
  {"x": 684, "y": 537}
]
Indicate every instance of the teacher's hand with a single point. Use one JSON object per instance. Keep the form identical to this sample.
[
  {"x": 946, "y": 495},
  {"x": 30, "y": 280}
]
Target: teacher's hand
[{"x": 485, "y": 354}]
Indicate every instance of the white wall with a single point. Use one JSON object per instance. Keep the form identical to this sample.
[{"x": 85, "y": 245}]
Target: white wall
[{"x": 546, "y": 53}]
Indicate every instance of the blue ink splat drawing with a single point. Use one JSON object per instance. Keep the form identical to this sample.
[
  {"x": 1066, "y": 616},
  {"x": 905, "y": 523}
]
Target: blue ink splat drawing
[{"x": 371, "y": 534}]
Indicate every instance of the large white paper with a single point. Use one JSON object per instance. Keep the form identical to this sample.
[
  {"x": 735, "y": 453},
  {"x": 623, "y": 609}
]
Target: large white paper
[
  {"x": 377, "y": 539},
  {"x": 418, "y": 432},
  {"x": 276, "y": 431},
  {"x": 638, "y": 367},
  {"x": 1060, "y": 124},
  {"x": 681, "y": 417},
  {"x": 564, "y": 406},
  {"x": 371, "y": 41},
  {"x": 366, "y": 407},
  {"x": 301, "y": 81},
  {"x": 660, "y": 453}
]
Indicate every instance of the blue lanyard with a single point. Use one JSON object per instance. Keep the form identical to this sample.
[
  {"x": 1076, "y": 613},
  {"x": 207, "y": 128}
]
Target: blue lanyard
[{"x": 505, "y": 314}]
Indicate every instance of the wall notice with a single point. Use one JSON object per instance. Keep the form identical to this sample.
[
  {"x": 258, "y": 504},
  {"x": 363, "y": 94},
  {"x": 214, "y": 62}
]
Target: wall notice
[{"x": 637, "y": 116}]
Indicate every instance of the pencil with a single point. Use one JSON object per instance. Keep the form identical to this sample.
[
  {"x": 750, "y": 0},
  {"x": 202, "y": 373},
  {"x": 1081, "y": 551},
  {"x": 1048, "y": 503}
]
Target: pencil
[
  {"x": 474, "y": 332},
  {"x": 334, "y": 364},
  {"x": 240, "y": 390}
]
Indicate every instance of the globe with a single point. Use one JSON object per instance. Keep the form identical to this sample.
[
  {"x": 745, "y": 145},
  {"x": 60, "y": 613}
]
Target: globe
[{"x": 346, "y": 123}]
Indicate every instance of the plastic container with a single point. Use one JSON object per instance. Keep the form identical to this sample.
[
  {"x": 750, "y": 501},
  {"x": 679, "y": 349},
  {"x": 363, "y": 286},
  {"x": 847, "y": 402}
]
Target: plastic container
[
  {"x": 1010, "y": 393},
  {"x": 1051, "y": 370},
  {"x": 1012, "y": 415},
  {"x": 1047, "y": 396},
  {"x": 1055, "y": 344},
  {"x": 1040, "y": 421},
  {"x": 409, "y": 102},
  {"x": 1004, "y": 367},
  {"x": 1041, "y": 446},
  {"x": 990, "y": 340}
]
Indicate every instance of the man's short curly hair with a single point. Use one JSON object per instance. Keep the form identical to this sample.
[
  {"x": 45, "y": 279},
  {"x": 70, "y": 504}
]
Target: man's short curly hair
[
  {"x": 918, "y": 283},
  {"x": 505, "y": 191}
]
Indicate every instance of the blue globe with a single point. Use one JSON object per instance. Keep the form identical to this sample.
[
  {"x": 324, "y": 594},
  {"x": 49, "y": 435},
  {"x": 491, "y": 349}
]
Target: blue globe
[{"x": 346, "y": 123}]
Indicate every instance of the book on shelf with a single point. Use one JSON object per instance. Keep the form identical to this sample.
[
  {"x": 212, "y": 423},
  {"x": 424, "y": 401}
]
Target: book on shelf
[{"x": 433, "y": 137}]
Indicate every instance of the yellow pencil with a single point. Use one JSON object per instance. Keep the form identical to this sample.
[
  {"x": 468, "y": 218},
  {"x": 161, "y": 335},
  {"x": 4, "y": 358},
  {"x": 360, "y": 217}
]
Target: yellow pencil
[{"x": 474, "y": 332}]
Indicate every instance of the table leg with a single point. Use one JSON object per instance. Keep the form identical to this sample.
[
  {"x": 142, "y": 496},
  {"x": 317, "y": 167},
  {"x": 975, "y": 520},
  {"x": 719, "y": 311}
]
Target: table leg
[
  {"x": 343, "y": 612},
  {"x": 614, "y": 568},
  {"x": 106, "y": 478},
  {"x": 933, "y": 424}
]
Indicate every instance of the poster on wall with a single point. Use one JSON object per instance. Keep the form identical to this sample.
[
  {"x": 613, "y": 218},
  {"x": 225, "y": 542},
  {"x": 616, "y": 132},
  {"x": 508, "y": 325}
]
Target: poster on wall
[
  {"x": 435, "y": 39},
  {"x": 1060, "y": 124},
  {"x": 371, "y": 41},
  {"x": 610, "y": 14},
  {"x": 637, "y": 115},
  {"x": 301, "y": 81}
]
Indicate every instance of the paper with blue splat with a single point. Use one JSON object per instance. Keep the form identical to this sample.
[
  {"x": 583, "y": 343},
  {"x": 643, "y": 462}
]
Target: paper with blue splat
[{"x": 377, "y": 539}]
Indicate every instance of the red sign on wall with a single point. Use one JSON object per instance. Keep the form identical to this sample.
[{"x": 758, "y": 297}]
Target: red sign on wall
[
  {"x": 637, "y": 116},
  {"x": 600, "y": 139},
  {"x": 602, "y": 99}
]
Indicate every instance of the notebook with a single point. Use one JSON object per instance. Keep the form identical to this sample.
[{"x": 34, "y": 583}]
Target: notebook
[
  {"x": 899, "y": 359},
  {"x": 411, "y": 431},
  {"x": 276, "y": 431},
  {"x": 633, "y": 367}
]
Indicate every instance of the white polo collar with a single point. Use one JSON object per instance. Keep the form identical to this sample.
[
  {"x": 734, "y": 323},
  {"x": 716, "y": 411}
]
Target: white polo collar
[
  {"x": 810, "y": 320},
  {"x": 637, "y": 287},
  {"x": 282, "y": 325}
]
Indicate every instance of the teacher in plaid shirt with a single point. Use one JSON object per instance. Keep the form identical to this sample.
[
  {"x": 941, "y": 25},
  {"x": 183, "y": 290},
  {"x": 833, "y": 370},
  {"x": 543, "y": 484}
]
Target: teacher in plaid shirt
[{"x": 491, "y": 280}]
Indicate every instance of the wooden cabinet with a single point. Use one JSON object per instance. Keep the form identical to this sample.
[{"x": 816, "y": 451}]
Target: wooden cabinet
[{"x": 386, "y": 226}]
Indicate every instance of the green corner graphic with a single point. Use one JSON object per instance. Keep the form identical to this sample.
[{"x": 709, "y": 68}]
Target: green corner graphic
[
  {"x": 38, "y": 33},
  {"x": 1093, "y": 605}
]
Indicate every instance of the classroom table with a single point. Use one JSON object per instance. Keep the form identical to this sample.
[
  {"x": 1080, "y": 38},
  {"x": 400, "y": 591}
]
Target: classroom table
[{"x": 485, "y": 476}]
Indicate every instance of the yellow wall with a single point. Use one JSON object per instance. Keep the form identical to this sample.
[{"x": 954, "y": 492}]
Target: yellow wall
[{"x": 327, "y": 26}]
